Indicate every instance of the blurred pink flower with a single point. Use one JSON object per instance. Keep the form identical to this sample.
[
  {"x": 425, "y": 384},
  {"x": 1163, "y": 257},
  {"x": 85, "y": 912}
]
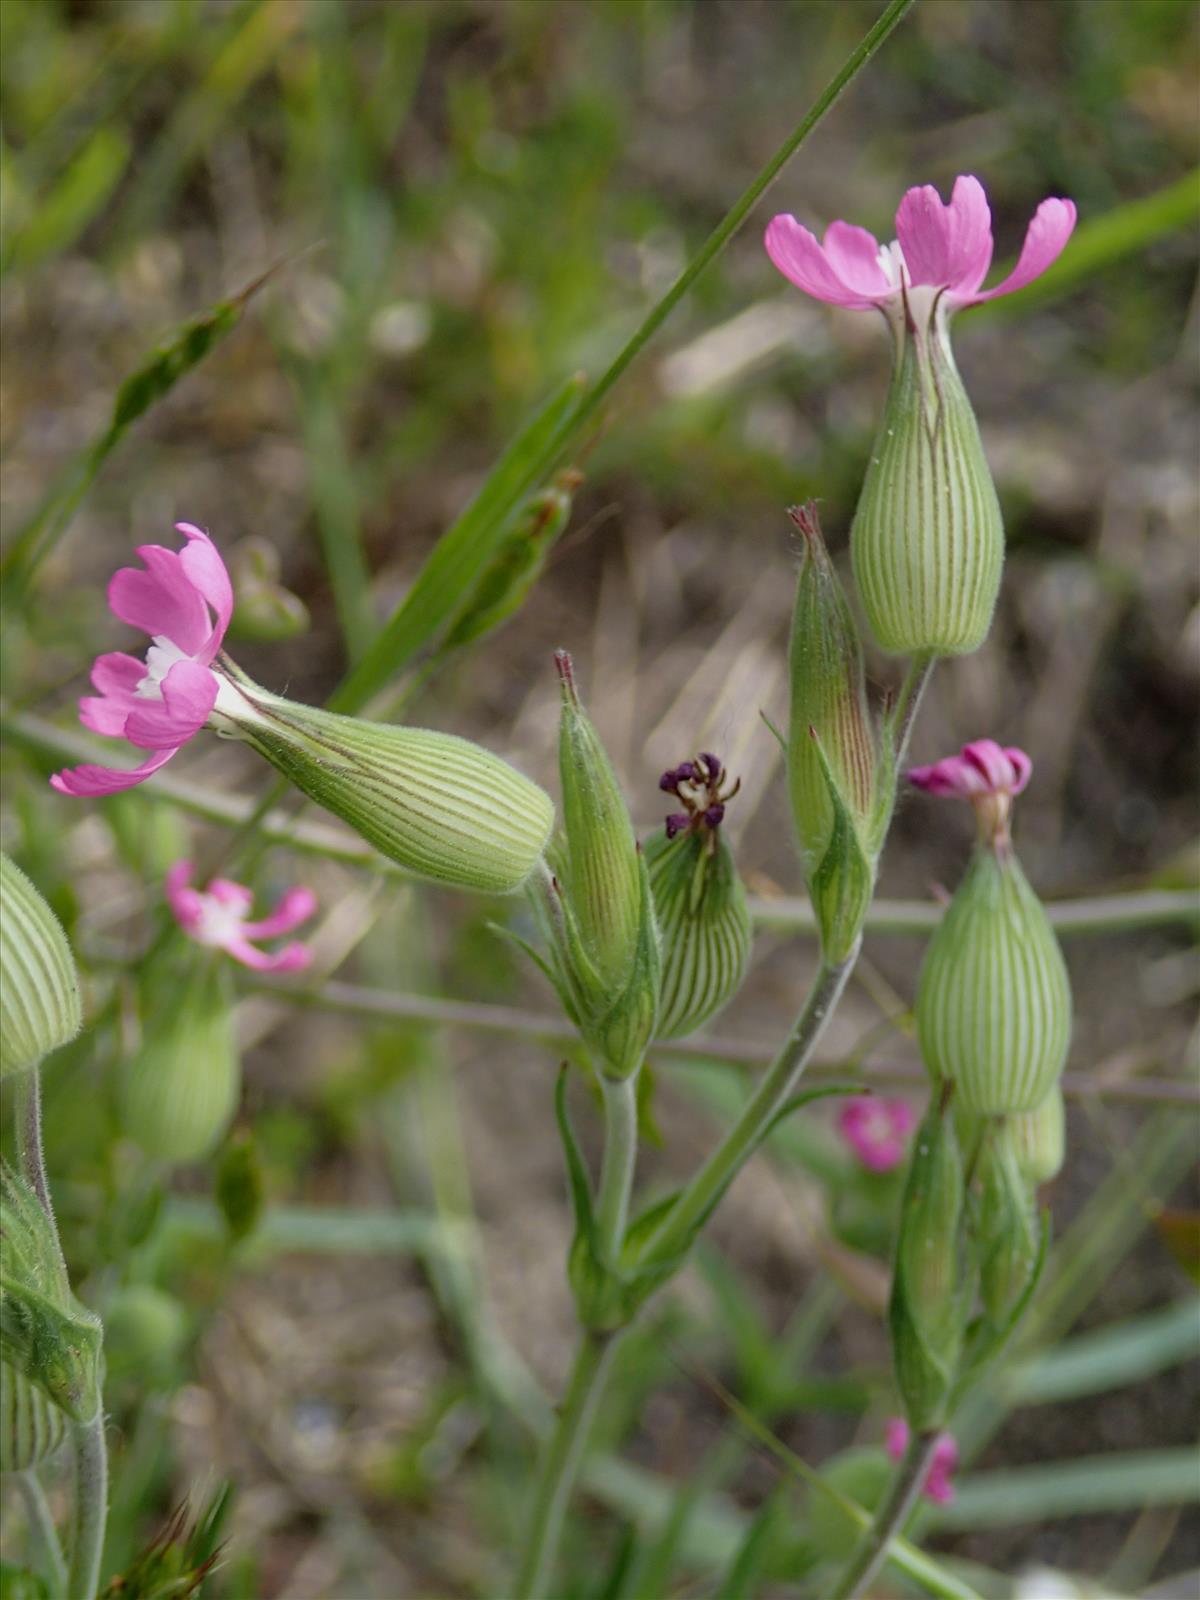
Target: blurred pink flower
[
  {"x": 937, "y": 1486},
  {"x": 981, "y": 768},
  {"x": 217, "y": 915},
  {"x": 183, "y": 600},
  {"x": 876, "y": 1130},
  {"x": 943, "y": 248}
]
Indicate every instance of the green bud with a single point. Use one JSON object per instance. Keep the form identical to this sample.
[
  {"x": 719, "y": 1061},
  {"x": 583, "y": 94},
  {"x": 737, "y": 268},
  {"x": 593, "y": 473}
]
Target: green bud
[
  {"x": 994, "y": 1001},
  {"x": 31, "y": 1426},
  {"x": 700, "y": 906},
  {"x": 46, "y": 1335},
  {"x": 39, "y": 989},
  {"x": 927, "y": 1310},
  {"x": 180, "y": 1088},
  {"x": 605, "y": 936},
  {"x": 829, "y": 711},
  {"x": 1007, "y": 1236},
  {"x": 145, "y": 1329},
  {"x": 439, "y": 806},
  {"x": 240, "y": 1188},
  {"x": 1038, "y": 1139},
  {"x": 928, "y": 541},
  {"x": 264, "y": 611}
]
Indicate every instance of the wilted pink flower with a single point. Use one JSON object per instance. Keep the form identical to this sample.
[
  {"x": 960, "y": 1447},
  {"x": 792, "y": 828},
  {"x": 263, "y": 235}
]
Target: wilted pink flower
[
  {"x": 946, "y": 249},
  {"x": 183, "y": 600},
  {"x": 937, "y": 1486},
  {"x": 217, "y": 915},
  {"x": 876, "y": 1130},
  {"x": 981, "y": 768}
]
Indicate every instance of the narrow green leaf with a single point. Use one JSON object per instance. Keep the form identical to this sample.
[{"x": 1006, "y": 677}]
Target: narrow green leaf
[
  {"x": 1108, "y": 1358},
  {"x": 80, "y": 194},
  {"x": 1127, "y": 1481},
  {"x": 459, "y": 558}
]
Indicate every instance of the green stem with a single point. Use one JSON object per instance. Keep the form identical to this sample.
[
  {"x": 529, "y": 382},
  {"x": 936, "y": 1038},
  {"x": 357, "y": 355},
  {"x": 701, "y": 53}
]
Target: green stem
[
  {"x": 889, "y": 1519},
  {"x": 31, "y": 1157},
  {"x": 91, "y": 1508},
  {"x": 620, "y": 1158},
  {"x": 708, "y": 1185},
  {"x": 560, "y": 1464},
  {"x": 41, "y": 1524}
]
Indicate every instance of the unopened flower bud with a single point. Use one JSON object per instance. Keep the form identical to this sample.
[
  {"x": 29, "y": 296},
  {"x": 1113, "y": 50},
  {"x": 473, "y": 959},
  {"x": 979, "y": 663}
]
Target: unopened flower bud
[
  {"x": 31, "y": 1426},
  {"x": 700, "y": 906},
  {"x": 994, "y": 1001},
  {"x": 1037, "y": 1138},
  {"x": 180, "y": 1087},
  {"x": 928, "y": 540},
  {"x": 829, "y": 714},
  {"x": 439, "y": 806},
  {"x": 607, "y": 939},
  {"x": 926, "y": 1313},
  {"x": 39, "y": 989},
  {"x": 1007, "y": 1237},
  {"x": 46, "y": 1335}
]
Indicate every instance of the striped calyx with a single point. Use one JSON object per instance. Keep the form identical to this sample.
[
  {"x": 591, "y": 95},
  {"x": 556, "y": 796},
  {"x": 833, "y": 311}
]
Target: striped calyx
[
  {"x": 927, "y": 1311},
  {"x": 928, "y": 541},
  {"x": 700, "y": 905},
  {"x": 1007, "y": 1239},
  {"x": 828, "y": 701},
  {"x": 439, "y": 806},
  {"x": 39, "y": 989},
  {"x": 604, "y": 935},
  {"x": 994, "y": 1001},
  {"x": 1037, "y": 1138},
  {"x": 180, "y": 1088},
  {"x": 31, "y": 1426}
]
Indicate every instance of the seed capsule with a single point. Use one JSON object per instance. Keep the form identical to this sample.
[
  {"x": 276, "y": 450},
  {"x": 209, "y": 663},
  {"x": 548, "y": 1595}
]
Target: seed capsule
[
  {"x": 994, "y": 1001},
  {"x": 927, "y": 542},
  {"x": 39, "y": 989}
]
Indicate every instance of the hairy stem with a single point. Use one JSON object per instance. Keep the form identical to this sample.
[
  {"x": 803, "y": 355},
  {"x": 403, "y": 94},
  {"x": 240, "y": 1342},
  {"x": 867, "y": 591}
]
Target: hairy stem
[
  {"x": 41, "y": 1526},
  {"x": 735, "y": 1149},
  {"x": 889, "y": 1519},
  {"x": 90, "y": 1509},
  {"x": 31, "y": 1158},
  {"x": 620, "y": 1158},
  {"x": 560, "y": 1464}
]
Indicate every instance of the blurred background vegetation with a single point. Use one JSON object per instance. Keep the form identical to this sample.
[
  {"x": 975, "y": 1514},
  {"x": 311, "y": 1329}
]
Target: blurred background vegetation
[{"x": 464, "y": 203}]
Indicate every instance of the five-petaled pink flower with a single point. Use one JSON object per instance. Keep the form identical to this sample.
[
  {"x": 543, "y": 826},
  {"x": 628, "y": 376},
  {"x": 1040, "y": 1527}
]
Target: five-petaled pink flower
[
  {"x": 937, "y": 1486},
  {"x": 216, "y": 916},
  {"x": 980, "y": 768},
  {"x": 183, "y": 599},
  {"x": 945, "y": 250},
  {"x": 876, "y": 1130}
]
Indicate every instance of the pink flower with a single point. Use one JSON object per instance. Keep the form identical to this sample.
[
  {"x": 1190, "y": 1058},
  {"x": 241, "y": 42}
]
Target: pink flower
[
  {"x": 876, "y": 1130},
  {"x": 216, "y": 916},
  {"x": 183, "y": 600},
  {"x": 944, "y": 248},
  {"x": 937, "y": 1486},
  {"x": 980, "y": 769}
]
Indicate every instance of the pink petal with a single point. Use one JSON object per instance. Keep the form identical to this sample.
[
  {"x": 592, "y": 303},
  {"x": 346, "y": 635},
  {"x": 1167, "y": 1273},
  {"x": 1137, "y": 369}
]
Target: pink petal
[
  {"x": 290, "y": 959},
  {"x": 189, "y": 692},
  {"x": 228, "y": 893},
  {"x": 895, "y": 1436},
  {"x": 796, "y": 253},
  {"x": 104, "y": 716},
  {"x": 950, "y": 776},
  {"x": 186, "y": 903},
  {"x": 93, "y": 780},
  {"x": 162, "y": 600},
  {"x": 1022, "y": 768},
  {"x": 949, "y": 246},
  {"x": 853, "y": 253},
  {"x": 1045, "y": 239},
  {"x": 206, "y": 571},
  {"x": 117, "y": 674},
  {"x": 296, "y": 906},
  {"x": 989, "y": 761}
]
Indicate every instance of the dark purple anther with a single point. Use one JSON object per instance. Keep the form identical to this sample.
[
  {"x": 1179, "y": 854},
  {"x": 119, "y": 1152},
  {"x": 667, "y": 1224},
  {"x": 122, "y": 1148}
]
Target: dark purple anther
[
  {"x": 713, "y": 765},
  {"x": 669, "y": 783},
  {"x": 715, "y": 815},
  {"x": 677, "y": 823},
  {"x": 686, "y": 772}
]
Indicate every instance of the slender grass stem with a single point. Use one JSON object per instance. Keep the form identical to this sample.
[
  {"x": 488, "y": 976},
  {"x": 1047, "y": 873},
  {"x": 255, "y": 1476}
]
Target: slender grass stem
[
  {"x": 90, "y": 1509},
  {"x": 747, "y": 1133},
  {"x": 560, "y": 1465},
  {"x": 41, "y": 1525},
  {"x": 617, "y": 1169},
  {"x": 889, "y": 1519}
]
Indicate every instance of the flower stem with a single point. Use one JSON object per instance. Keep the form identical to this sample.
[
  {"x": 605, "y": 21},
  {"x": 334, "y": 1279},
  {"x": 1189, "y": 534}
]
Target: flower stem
[
  {"x": 708, "y": 1185},
  {"x": 889, "y": 1519},
  {"x": 560, "y": 1463},
  {"x": 91, "y": 1508},
  {"x": 41, "y": 1525},
  {"x": 620, "y": 1158},
  {"x": 31, "y": 1157}
]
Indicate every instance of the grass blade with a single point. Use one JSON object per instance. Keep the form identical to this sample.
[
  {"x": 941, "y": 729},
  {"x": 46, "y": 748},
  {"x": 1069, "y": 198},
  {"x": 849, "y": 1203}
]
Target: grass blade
[{"x": 1089, "y": 1486}]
